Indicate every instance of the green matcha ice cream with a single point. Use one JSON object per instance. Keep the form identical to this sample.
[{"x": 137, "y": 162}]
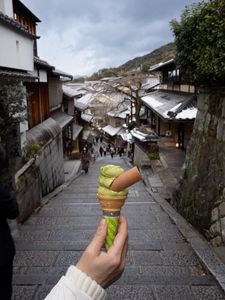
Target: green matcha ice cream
[
  {"x": 113, "y": 199},
  {"x": 108, "y": 174}
]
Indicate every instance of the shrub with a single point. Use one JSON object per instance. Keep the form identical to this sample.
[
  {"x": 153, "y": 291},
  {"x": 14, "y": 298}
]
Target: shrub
[{"x": 31, "y": 150}]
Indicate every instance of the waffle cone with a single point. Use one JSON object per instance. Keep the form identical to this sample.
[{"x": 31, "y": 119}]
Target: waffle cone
[
  {"x": 126, "y": 179},
  {"x": 110, "y": 203}
]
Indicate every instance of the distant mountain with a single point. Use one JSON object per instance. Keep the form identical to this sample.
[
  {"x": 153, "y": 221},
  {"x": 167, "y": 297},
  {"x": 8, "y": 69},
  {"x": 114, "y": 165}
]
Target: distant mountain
[{"x": 161, "y": 54}]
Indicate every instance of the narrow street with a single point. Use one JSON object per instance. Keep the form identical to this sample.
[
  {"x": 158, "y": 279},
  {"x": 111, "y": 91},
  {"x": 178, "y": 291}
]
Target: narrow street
[{"x": 160, "y": 263}]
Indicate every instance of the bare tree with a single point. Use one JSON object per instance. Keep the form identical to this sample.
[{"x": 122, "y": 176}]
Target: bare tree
[{"x": 132, "y": 87}]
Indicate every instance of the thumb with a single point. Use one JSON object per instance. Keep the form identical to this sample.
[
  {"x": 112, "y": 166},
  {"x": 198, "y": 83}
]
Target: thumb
[{"x": 99, "y": 238}]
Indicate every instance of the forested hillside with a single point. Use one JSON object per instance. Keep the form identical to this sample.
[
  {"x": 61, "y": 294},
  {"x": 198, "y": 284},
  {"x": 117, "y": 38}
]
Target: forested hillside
[{"x": 163, "y": 53}]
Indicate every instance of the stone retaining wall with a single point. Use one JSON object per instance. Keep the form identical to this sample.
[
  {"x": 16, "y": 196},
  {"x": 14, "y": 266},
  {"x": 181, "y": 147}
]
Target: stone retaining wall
[
  {"x": 201, "y": 194},
  {"x": 51, "y": 163},
  {"x": 28, "y": 192},
  {"x": 217, "y": 229}
]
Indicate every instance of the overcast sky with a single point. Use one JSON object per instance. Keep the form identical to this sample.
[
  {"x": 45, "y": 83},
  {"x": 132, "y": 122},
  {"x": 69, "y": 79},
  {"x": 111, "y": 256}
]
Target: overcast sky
[{"x": 83, "y": 36}]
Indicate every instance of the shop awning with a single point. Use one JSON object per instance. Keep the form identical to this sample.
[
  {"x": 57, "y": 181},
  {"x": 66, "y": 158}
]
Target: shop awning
[
  {"x": 76, "y": 130},
  {"x": 87, "y": 117},
  {"x": 112, "y": 131},
  {"x": 144, "y": 137}
]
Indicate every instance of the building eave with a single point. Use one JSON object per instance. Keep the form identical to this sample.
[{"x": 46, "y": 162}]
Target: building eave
[
  {"x": 44, "y": 64},
  {"x": 170, "y": 106},
  {"x": 15, "y": 25},
  {"x": 16, "y": 75},
  {"x": 18, "y": 4},
  {"x": 62, "y": 74}
]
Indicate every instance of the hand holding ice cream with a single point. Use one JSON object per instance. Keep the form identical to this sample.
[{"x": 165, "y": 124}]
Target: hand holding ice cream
[{"x": 112, "y": 193}]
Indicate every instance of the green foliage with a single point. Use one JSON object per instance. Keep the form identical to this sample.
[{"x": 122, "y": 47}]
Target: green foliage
[
  {"x": 12, "y": 111},
  {"x": 145, "y": 67},
  {"x": 200, "y": 43},
  {"x": 153, "y": 152},
  {"x": 31, "y": 150},
  {"x": 131, "y": 125},
  {"x": 153, "y": 156},
  {"x": 111, "y": 72},
  {"x": 80, "y": 79}
]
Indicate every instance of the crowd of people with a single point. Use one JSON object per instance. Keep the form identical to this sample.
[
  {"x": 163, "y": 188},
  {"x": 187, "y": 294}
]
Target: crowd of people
[
  {"x": 89, "y": 151},
  {"x": 103, "y": 150}
]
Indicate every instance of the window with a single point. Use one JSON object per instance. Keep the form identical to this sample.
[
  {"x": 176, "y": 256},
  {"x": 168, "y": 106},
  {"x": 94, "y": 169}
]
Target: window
[{"x": 17, "y": 46}]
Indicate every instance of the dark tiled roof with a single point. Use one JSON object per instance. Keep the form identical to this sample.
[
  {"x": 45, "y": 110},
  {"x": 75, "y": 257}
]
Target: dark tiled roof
[
  {"x": 61, "y": 118},
  {"x": 62, "y": 74},
  {"x": 171, "y": 105},
  {"x": 44, "y": 131},
  {"x": 43, "y": 63},
  {"x": 162, "y": 65},
  {"x": 16, "y": 74},
  {"x": 17, "y": 26}
]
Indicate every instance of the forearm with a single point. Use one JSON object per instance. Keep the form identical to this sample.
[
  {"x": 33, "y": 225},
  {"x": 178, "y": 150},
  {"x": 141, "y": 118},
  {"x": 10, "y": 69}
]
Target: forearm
[{"x": 76, "y": 285}]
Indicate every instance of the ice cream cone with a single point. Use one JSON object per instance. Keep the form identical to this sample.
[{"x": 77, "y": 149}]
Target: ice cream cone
[
  {"x": 112, "y": 193},
  {"x": 126, "y": 179}
]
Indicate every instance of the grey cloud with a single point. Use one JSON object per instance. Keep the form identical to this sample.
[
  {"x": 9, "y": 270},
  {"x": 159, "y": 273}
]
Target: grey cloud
[{"x": 102, "y": 31}]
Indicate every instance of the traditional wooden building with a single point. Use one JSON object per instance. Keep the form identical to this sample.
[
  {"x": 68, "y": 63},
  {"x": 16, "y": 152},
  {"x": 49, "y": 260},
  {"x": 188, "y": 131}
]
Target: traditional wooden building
[
  {"x": 17, "y": 40},
  {"x": 171, "y": 110},
  {"x": 71, "y": 105}
]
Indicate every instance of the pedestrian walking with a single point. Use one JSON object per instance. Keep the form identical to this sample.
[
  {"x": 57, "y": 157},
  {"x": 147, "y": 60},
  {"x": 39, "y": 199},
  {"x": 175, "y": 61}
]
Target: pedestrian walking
[
  {"x": 96, "y": 139},
  {"x": 112, "y": 152},
  {"x": 85, "y": 160},
  {"x": 101, "y": 150},
  {"x": 8, "y": 210},
  {"x": 101, "y": 138},
  {"x": 121, "y": 151},
  {"x": 104, "y": 151}
]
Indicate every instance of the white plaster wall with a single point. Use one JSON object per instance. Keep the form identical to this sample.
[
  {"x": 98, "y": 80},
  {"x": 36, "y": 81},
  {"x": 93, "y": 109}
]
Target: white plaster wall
[
  {"x": 41, "y": 74},
  {"x": 16, "y": 50},
  {"x": 6, "y": 7}
]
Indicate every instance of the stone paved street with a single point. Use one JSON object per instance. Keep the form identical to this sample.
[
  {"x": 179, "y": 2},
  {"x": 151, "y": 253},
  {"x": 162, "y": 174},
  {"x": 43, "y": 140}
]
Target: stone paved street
[{"x": 160, "y": 263}]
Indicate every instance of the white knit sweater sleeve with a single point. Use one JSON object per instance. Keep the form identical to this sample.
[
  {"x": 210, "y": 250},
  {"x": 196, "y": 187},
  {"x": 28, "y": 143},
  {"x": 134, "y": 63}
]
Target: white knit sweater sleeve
[{"x": 76, "y": 285}]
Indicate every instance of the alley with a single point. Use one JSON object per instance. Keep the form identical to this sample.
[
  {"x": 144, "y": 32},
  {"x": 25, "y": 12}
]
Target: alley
[{"x": 160, "y": 263}]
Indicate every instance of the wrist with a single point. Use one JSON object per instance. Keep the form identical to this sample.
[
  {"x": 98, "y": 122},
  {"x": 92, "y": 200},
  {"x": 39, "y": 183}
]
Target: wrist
[{"x": 86, "y": 284}]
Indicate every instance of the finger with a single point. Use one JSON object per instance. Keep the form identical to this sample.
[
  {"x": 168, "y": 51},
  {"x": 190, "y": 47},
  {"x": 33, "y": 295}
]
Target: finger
[
  {"x": 123, "y": 256},
  {"x": 98, "y": 239},
  {"x": 124, "y": 252},
  {"x": 120, "y": 239}
]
